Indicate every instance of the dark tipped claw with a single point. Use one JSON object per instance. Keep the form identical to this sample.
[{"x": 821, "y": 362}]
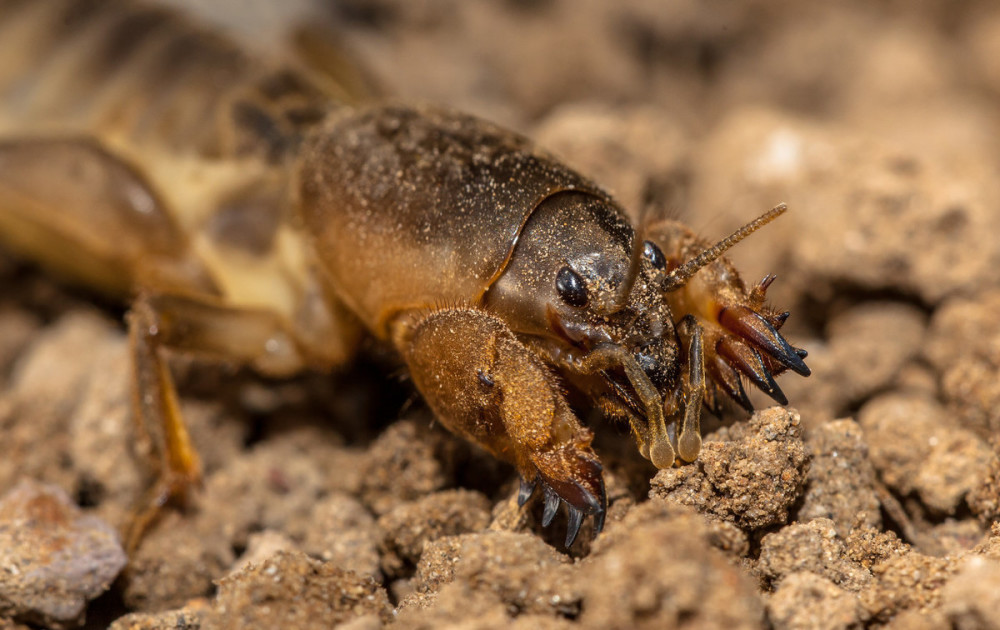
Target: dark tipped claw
[
  {"x": 602, "y": 510},
  {"x": 756, "y": 330},
  {"x": 599, "y": 522},
  {"x": 551, "y": 506},
  {"x": 714, "y": 403},
  {"x": 593, "y": 504},
  {"x": 743, "y": 399},
  {"x": 749, "y": 362},
  {"x": 524, "y": 492},
  {"x": 759, "y": 293},
  {"x": 573, "y": 525},
  {"x": 727, "y": 378},
  {"x": 773, "y": 390},
  {"x": 801, "y": 369},
  {"x": 580, "y": 501}
]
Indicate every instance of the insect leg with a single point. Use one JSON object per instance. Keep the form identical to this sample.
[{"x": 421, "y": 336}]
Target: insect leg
[
  {"x": 156, "y": 412},
  {"x": 655, "y": 441},
  {"x": 488, "y": 387},
  {"x": 160, "y": 324},
  {"x": 689, "y": 442}
]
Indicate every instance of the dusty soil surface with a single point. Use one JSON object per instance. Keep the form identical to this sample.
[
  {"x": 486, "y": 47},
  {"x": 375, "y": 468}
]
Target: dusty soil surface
[{"x": 872, "y": 501}]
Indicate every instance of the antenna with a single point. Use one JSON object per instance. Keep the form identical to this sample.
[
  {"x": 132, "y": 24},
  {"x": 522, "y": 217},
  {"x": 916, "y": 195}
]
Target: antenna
[{"x": 679, "y": 276}]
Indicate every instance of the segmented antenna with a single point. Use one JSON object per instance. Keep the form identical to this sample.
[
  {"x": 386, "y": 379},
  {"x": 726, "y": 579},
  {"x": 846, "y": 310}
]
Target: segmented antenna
[{"x": 679, "y": 277}]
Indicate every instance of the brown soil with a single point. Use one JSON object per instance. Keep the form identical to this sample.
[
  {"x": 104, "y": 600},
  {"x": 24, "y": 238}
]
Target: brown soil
[{"x": 873, "y": 503}]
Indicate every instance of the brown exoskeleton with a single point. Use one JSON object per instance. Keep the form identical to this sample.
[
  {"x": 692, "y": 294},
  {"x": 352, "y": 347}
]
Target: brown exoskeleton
[{"x": 254, "y": 215}]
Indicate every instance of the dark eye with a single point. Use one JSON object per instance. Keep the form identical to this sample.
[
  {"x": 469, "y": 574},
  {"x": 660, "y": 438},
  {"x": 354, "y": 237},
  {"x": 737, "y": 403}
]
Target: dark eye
[
  {"x": 570, "y": 286},
  {"x": 654, "y": 255}
]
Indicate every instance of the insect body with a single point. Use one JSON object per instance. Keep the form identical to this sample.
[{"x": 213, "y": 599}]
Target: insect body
[{"x": 279, "y": 225}]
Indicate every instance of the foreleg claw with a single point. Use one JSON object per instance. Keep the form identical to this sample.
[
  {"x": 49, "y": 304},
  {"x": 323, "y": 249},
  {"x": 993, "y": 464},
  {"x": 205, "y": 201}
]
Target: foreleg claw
[{"x": 579, "y": 504}]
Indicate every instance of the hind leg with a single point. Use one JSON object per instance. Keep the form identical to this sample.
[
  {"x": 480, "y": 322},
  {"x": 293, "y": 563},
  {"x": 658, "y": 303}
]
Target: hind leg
[
  {"x": 88, "y": 216},
  {"x": 161, "y": 324}
]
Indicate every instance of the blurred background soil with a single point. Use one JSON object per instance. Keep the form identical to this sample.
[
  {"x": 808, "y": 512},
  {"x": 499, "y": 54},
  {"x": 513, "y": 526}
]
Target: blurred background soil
[{"x": 872, "y": 501}]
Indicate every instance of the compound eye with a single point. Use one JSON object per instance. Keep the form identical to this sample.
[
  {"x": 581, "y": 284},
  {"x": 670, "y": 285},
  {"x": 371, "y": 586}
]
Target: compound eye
[
  {"x": 571, "y": 288},
  {"x": 654, "y": 255}
]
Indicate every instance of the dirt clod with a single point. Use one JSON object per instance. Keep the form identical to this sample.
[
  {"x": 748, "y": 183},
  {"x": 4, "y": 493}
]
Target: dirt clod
[
  {"x": 343, "y": 532},
  {"x": 291, "y": 590},
  {"x": 517, "y": 569},
  {"x": 910, "y": 581},
  {"x": 814, "y": 547},
  {"x": 186, "y": 619},
  {"x": 408, "y": 528},
  {"x": 55, "y": 558},
  {"x": 841, "y": 481},
  {"x": 868, "y": 546},
  {"x": 985, "y": 497},
  {"x": 401, "y": 466},
  {"x": 806, "y": 601},
  {"x": 917, "y": 446},
  {"x": 657, "y": 569},
  {"x": 964, "y": 346},
  {"x": 175, "y": 564},
  {"x": 752, "y": 479},
  {"x": 971, "y": 599}
]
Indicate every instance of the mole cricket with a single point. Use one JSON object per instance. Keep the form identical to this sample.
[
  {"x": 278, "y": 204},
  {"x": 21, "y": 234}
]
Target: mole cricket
[{"x": 261, "y": 215}]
